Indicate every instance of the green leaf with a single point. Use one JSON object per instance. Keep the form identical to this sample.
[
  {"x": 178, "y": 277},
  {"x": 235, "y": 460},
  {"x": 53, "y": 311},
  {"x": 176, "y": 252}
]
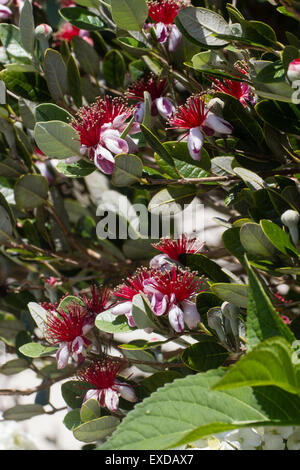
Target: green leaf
[
  {"x": 201, "y": 25},
  {"x": 205, "y": 355},
  {"x": 27, "y": 27},
  {"x": 283, "y": 116},
  {"x": 51, "y": 112},
  {"x": 237, "y": 294},
  {"x": 74, "y": 81},
  {"x": 252, "y": 180},
  {"x": 172, "y": 200},
  {"x": 31, "y": 86},
  {"x": 109, "y": 323},
  {"x": 14, "y": 367},
  {"x": 22, "y": 412},
  {"x": 82, "y": 18},
  {"x": 263, "y": 321},
  {"x": 157, "y": 380},
  {"x": 141, "y": 312},
  {"x": 128, "y": 170},
  {"x": 57, "y": 139},
  {"x": 232, "y": 243},
  {"x": 255, "y": 241},
  {"x": 90, "y": 410},
  {"x": 129, "y": 14},
  {"x": 269, "y": 363},
  {"x": 9, "y": 328},
  {"x": 56, "y": 74},
  {"x": 187, "y": 410},
  {"x": 69, "y": 301},
  {"x": 6, "y": 228},
  {"x": 11, "y": 40},
  {"x": 114, "y": 68},
  {"x": 279, "y": 238},
  {"x": 73, "y": 393},
  {"x": 37, "y": 350},
  {"x": 72, "y": 419},
  {"x": 78, "y": 169},
  {"x": 96, "y": 429},
  {"x": 157, "y": 146},
  {"x": 244, "y": 125},
  {"x": 205, "y": 267},
  {"x": 86, "y": 56},
  {"x": 31, "y": 191}
]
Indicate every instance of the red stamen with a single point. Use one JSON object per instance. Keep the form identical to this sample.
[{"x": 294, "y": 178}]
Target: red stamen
[
  {"x": 101, "y": 374},
  {"x": 164, "y": 11},
  {"x": 190, "y": 115}
]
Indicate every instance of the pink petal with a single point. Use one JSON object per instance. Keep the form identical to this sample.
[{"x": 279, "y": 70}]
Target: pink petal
[
  {"x": 104, "y": 160},
  {"x": 121, "y": 309},
  {"x": 159, "y": 304},
  {"x": 92, "y": 393},
  {"x": 165, "y": 107},
  {"x": 115, "y": 144},
  {"x": 139, "y": 112},
  {"x": 176, "y": 319},
  {"x": 161, "y": 32}
]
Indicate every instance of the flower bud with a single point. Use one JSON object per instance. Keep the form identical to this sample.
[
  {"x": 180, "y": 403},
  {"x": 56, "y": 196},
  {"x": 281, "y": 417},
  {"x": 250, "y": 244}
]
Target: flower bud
[
  {"x": 293, "y": 72},
  {"x": 43, "y": 31},
  {"x": 291, "y": 219}
]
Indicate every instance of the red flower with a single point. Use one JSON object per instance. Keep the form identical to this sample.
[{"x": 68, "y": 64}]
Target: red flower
[
  {"x": 239, "y": 90},
  {"x": 68, "y": 329},
  {"x": 174, "y": 248},
  {"x": 66, "y": 326},
  {"x": 164, "y": 11},
  {"x": 134, "y": 285},
  {"x": 90, "y": 119},
  {"x": 102, "y": 375},
  {"x": 177, "y": 284},
  {"x": 96, "y": 304},
  {"x": 156, "y": 88},
  {"x": 190, "y": 115}
]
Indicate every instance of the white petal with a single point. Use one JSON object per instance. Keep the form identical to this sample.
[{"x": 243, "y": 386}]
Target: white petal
[
  {"x": 159, "y": 261},
  {"x": 127, "y": 392},
  {"x": 165, "y": 107},
  {"x": 111, "y": 399},
  {"x": 174, "y": 38},
  {"x": 78, "y": 345},
  {"x": 92, "y": 393},
  {"x": 121, "y": 309},
  {"x": 161, "y": 32},
  {"x": 218, "y": 124},
  {"x": 62, "y": 356},
  {"x": 191, "y": 314},
  {"x": 195, "y": 143},
  {"x": 132, "y": 147},
  {"x": 119, "y": 120},
  {"x": 176, "y": 319}
]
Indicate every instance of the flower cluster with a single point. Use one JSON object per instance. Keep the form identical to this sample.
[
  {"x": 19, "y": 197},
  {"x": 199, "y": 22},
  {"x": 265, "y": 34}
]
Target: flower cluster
[
  {"x": 163, "y": 14},
  {"x": 170, "y": 293},
  {"x": 157, "y": 88},
  {"x": 198, "y": 121},
  {"x": 102, "y": 376},
  {"x": 100, "y": 127}
]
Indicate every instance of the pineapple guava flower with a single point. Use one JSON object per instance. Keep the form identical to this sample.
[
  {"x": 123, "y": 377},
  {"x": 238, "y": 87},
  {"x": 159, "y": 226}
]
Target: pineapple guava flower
[
  {"x": 157, "y": 88},
  {"x": 172, "y": 249},
  {"x": 69, "y": 330},
  {"x": 172, "y": 293},
  {"x": 197, "y": 120},
  {"x": 163, "y": 14},
  {"x": 239, "y": 90},
  {"x": 126, "y": 291},
  {"x": 100, "y": 128},
  {"x": 105, "y": 386}
]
